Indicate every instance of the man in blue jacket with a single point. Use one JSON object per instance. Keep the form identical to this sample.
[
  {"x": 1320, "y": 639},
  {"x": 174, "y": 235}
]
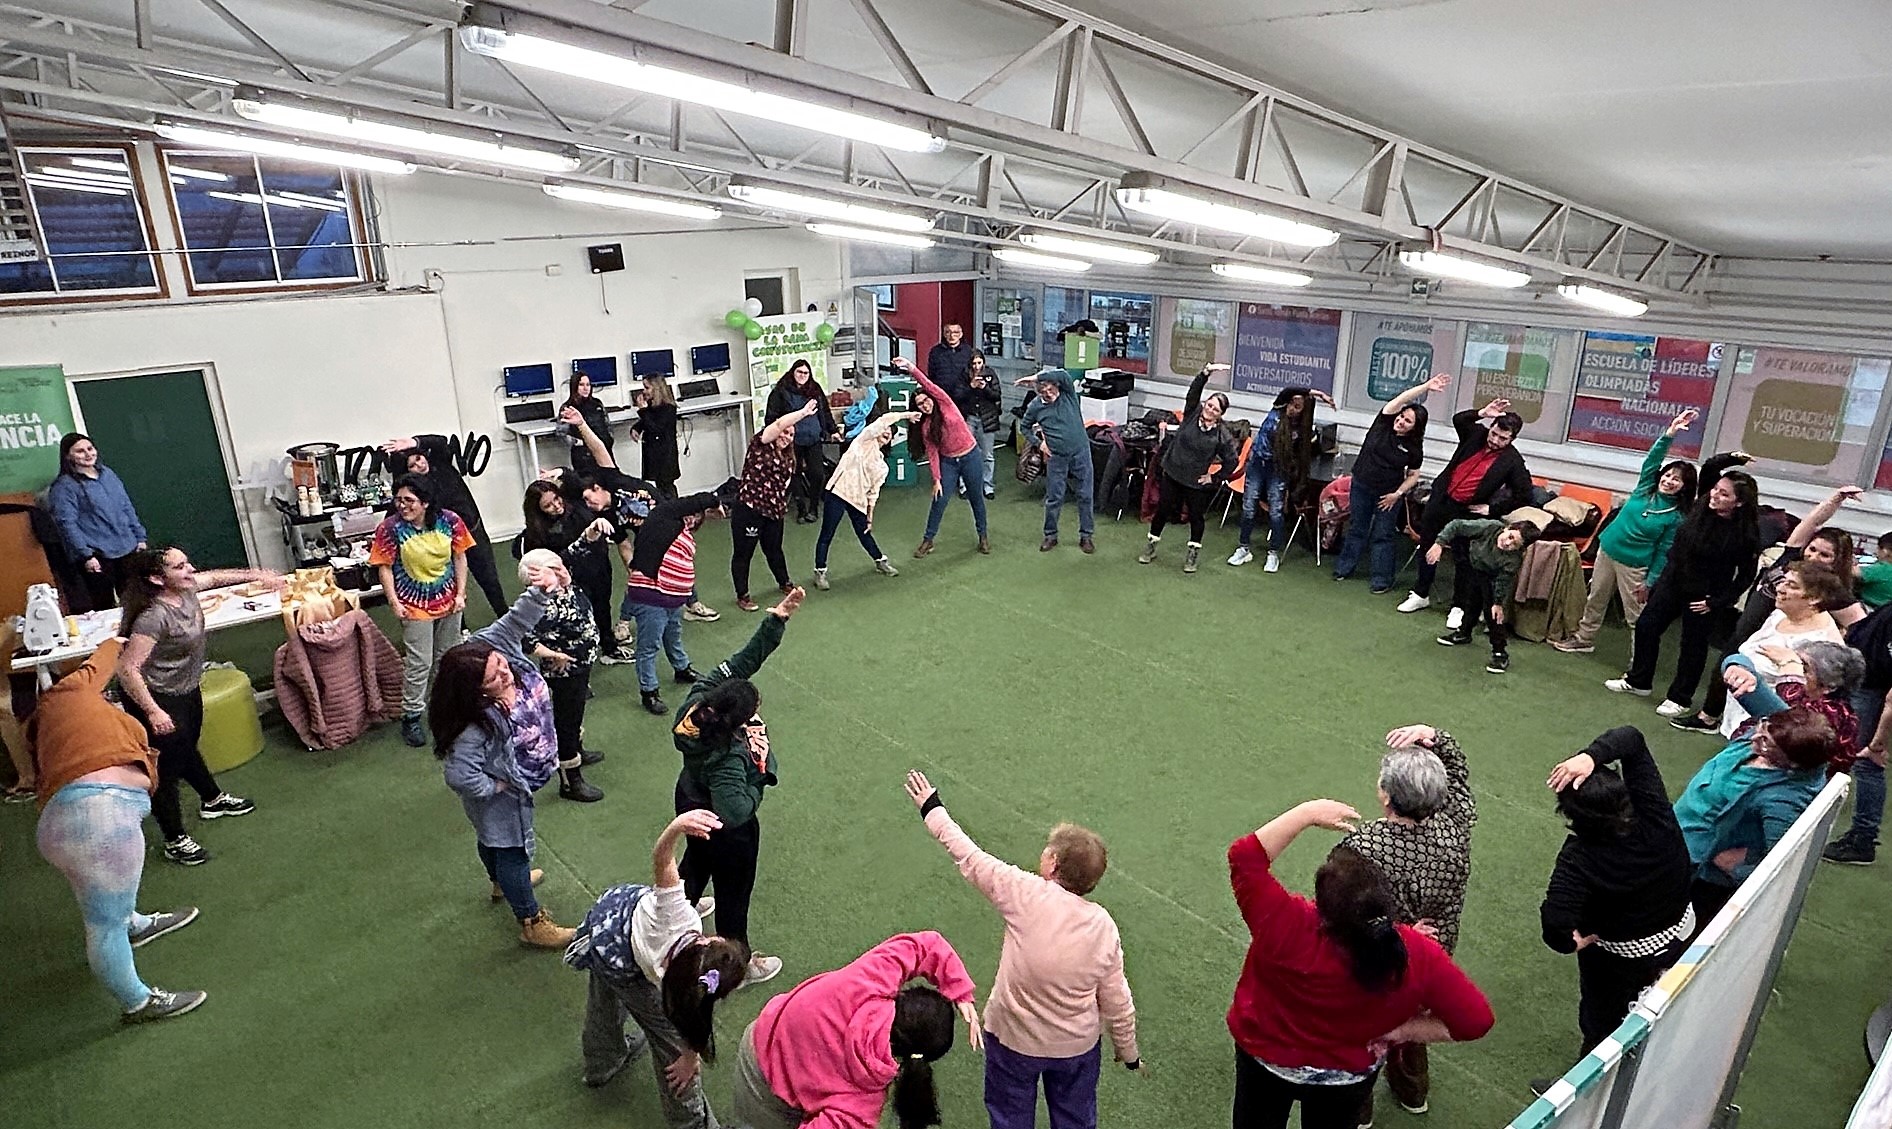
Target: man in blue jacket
[{"x": 1055, "y": 421}]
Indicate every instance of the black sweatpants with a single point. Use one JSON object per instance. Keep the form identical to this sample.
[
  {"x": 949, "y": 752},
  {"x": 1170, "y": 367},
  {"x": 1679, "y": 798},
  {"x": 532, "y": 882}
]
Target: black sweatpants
[
  {"x": 569, "y": 691},
  {"x": 1753, "y": 614},
  {"x": 595, "y": 583},
  {"x": 811, "y": 479},
  {"x": 1263, "y": 1099},
  {"x": 102, "y": 587},
  {"x": 1440, "y": 510},
  {"x": 484, "y": 570},
  {"x": 1172, "y": 496},
  {"x": 727, "y": 860},
  {"x": 747, "y": 529},
  {"x": 1665, "y": 606},
  {"x": 1472, "y": 591},
  {"x": 178, "y": 757},
  {"x": 1609, "y": 984}
]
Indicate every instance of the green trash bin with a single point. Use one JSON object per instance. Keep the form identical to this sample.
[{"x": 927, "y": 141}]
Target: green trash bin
[{"x": 899, "y": 391}]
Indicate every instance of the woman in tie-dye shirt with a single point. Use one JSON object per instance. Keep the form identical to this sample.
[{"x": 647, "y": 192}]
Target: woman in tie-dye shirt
[{"x": 420, "y": 551}]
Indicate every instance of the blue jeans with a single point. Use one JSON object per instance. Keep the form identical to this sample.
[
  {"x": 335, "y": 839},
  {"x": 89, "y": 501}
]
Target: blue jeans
[
  {"x": 511, "y": 868},
  {"x": 1059, "y": 469},
  {"x": 93, "y": 834},
  {"x": 654, "y": 625},
  {"x": 1868, "y": 778},
  {"x": 831, "y": 514},
  {"x": 969, "y": 468},
  {"x": 1371, "y": 532},
  {"x": 1011, "y": 1087},
  {"x": 1255, "y": 479}
]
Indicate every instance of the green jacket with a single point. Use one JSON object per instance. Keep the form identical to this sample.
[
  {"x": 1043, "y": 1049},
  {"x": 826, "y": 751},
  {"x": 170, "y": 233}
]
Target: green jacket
[
  {"x": 1644, "y": 528},
  {"x": 1481, "y": 538},
  {"x": 733, "y": 774}
]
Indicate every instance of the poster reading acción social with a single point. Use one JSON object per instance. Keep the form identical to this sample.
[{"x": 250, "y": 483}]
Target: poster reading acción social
[{"x": 1630, "y": 385}]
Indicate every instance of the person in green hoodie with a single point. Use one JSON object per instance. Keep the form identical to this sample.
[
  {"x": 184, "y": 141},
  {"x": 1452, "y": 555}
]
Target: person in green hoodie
[
  {"x": 1486, "y": 556},
  {"x": 726, "y": 764}
]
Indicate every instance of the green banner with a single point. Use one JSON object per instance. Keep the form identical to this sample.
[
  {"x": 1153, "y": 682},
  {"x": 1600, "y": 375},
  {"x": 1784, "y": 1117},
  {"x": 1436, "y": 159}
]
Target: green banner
[{"x": 34, "y": 416}]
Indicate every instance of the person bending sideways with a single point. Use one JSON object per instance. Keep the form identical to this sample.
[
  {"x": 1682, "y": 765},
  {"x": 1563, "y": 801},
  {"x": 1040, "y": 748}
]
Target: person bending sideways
[
  {"x": 726, "y": 764},
  {"x": 1329, "y": 985},
  {"x": 565, "y": 642},
  {"x": 823, "y": 1055},
  {"x": 1055, "y": 423},
  {"x": 420, "y": 551},
  {"x": 1618, "y": 895},
  {"x": 1198, "y": 456},
  {"x": 942, "y": 437},
  {"x": 1060, "y": 973},
  {"x": 854, "y": 490},
  {"x": 495, "y": 737},
  {"x": 1486, "y": 557},
  {"x": 161, "y": 672},
  {"x": 796, "y": 390},
  {"x": 95, "y": 775},
  {"x": 1422, "y": 847},
  {"x": 1632, "y": 548},
  {"x": 1815, "y": 673},
  {"x": 431, "y": 457},
  {"x": 1278, "y": 464},
  {"x": 762, "y": 500},
  {"x": 1384, "y": 472},
  {"x": 660, "y": 585},
  {"x": 1486, "y": 477},
  {"x": 648, "y": 960}
]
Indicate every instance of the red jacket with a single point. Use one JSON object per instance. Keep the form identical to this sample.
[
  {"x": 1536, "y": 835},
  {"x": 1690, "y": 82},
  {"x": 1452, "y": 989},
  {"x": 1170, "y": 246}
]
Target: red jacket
[{"x": 1297, "y": 1003}]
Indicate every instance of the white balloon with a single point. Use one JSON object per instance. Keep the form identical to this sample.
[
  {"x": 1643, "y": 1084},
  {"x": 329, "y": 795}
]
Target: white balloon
[{"x": 753, "y": 306}]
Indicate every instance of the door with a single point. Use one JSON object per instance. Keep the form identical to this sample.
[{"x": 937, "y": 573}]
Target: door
[{"x": 157, "y": 431}]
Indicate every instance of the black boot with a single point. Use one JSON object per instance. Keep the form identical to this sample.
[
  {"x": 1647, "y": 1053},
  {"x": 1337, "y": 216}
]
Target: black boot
[
  {"x": 573, "y": 786},
  {"x": 590, "y": 756},
  {"x": 654, "y": 703}
]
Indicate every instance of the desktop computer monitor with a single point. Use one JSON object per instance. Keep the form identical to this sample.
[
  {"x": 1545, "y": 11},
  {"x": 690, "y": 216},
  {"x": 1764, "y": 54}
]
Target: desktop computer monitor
[
  {"x": 654, "y": 362},
  {"x": 709, "y": 358},
  {"x": 603, "y": 371},
  {"x": 529, "y": 380}
]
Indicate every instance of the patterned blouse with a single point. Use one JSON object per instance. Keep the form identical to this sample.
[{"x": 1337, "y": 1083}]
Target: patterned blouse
[
  {"x": 1428, "y": 863},
  {"x": 422, "y": 561},
  {"x": 567, "y": 627},
  {"x": 766, "y": 470}
]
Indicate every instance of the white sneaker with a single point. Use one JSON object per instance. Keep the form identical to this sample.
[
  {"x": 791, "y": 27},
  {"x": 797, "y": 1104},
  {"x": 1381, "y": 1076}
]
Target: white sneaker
[
  {"x": 705, "y": 906},
  {"x": 761, "y": 968},
  {"x": 1455, "y": 619},
  {"x": 1273, "y": 563},
  {"x": 1670, "y": 709},
  {"x": 1241, "y": 556},
  {"x": 821, "y": 579},
  {"x": 1622, "y": 686},
  {"x": 699, "y": 612},
  {"x": 1414, "y": 602}
]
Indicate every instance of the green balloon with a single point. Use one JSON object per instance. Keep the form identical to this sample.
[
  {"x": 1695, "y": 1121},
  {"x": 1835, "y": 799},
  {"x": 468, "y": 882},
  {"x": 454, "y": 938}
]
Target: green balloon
[
  {"x": 824, "y": 333},
  {"x": 752, "y": 330},
  {"x": 734, "y": 319}
]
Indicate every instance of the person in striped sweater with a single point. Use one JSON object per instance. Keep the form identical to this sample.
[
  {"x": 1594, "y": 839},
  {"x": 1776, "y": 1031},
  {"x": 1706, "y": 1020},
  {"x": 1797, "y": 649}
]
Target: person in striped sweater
[{"x": 662, "y": 580}]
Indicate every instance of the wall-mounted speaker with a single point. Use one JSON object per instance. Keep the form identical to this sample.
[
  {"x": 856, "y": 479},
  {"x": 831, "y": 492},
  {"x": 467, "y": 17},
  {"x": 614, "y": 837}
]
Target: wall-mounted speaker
[{"x": 606, "y": 257}]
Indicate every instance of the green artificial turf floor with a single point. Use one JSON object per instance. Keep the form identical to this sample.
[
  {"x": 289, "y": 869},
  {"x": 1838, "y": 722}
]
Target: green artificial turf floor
[{"x": 358, "y": 976}]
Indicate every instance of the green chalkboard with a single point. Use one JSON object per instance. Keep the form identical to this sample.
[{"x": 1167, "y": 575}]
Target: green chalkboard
[{"x": 158, "y": 433}]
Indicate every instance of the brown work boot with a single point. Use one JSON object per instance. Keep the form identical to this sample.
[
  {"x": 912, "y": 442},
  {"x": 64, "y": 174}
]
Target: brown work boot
[
  {"x": 923, "y": 548},
  {"x": 499, "y": 895},
  {"x": 1049, "y": 544},
  {"x": 985, "y": 546},
  {"x": 541, "y": 932}
]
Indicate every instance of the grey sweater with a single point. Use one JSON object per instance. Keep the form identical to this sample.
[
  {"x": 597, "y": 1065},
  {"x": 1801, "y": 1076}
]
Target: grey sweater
[{"x": 1191, "y": 448}]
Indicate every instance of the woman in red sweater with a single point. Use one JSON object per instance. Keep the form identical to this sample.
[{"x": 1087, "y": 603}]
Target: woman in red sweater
[
  {"x": 823, "y": 1055},
  {"x": 1329, "y": 984}
]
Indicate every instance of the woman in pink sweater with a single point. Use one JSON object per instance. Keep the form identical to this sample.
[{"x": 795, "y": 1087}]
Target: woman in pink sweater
[
  {"x": 1060, "y": 973},
  {"x": 943, "y": 437},
  {"x": 822, "y": 1055}
]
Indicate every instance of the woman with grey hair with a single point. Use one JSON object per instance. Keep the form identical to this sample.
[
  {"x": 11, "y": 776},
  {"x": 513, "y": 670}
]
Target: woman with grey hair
[
  {"x": 1816, "y": 673},
  {"x": 1421, "y": 846}
]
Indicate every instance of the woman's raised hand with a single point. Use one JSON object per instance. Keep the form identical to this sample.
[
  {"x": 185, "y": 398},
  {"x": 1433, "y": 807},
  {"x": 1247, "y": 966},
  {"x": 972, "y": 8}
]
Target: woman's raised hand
[
  {"x": 1739, "y": 680},
  {"x": 1440, "y": 382},
  {"x": 1331, "y": 814},
  {"x": 1682, "y": 422},
  {"x": 789, "y": 602},
  {"x": 1571, "y": 773},
  {"x": 697, "y": 823},
  {"x": 918, "y": 787},
  {"x": 1406, "y": 736}
]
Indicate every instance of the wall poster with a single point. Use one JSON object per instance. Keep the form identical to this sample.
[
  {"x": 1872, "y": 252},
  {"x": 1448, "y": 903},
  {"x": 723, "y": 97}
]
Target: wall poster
[
  {"x": 1528, "y": 366},
  {"x": 1280, "y": 347},
  {"x": 35, "y": 414},
  {"x": 1389, "y": 353},
  {"x": 1630, "y": 385},
  {"x": 786, "y": 338},
  {"x": 1802, "y": 412},
  {"x": 1190, "y": 333}
]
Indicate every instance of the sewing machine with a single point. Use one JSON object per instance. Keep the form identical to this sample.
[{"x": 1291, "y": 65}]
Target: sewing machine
[{"x": 44, "y": 625}]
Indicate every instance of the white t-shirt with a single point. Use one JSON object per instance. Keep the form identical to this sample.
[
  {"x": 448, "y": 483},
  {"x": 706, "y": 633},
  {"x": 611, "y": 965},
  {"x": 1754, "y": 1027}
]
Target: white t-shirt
[
  {"x": 662, "y": 917},
  {"x": 1770, "y": 635}
]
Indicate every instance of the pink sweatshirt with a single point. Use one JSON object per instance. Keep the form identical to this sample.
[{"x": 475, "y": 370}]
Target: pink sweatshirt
[
  {"x": 959, "y": 438},
  {"x": 1061, "y": 968},
  {"x": 823, "y": 1047}
]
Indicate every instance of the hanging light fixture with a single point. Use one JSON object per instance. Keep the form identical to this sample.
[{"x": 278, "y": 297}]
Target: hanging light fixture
[
  {"x": 1154, "y": 196},
  {"x": 1088, "y": 249},
  {"x": 1041, "y": 262},
  {"x": 1441, "y": 264},
  {"x": 768, "y": 196},
  {"x": 633, "y": 201},
  {"x": 1597, "y": 298},
  {"x": 304, "y": 117},
  {"x": 871, "y": 235},
  {"x": 1266, "y": 276},
  {"x": 198, "y": 137}
]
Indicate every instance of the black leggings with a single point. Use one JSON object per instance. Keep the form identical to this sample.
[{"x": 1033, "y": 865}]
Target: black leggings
[
  {"x": 1758, "y": 608},
  {"x": 727, "y": 859},
  {"x": 595, "y": 583},
  {"x": 178, "y": 757},
  {"x": 747, "y": 529},
  {"x": 102, "y": 587},
  {"x": 1609, "y": 984},
  {"x": 485, "y": 573},
  {"x": 568, "y": 713},
  {"x": 1171, "y": 496},
  {"x": 1665, "y": 606},
  {"x": 1263, "y": 1098},
  {"x": 1472, "y": 591},
  {"x": 811, "y": 479}
]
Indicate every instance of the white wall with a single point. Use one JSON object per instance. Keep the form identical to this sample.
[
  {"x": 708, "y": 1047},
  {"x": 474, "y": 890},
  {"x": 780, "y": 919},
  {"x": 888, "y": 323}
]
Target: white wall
[{"x": 360, "y": 369}]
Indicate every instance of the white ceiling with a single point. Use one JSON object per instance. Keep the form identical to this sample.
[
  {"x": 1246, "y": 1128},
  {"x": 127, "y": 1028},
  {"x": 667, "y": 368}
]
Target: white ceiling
[{"x": 1753, "y": 127}]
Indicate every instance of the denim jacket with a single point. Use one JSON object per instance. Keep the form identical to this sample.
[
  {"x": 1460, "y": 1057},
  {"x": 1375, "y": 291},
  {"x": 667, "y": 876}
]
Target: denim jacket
[
  {"x": 482, "y": 756},
  {"x": 94, "y": 515}
]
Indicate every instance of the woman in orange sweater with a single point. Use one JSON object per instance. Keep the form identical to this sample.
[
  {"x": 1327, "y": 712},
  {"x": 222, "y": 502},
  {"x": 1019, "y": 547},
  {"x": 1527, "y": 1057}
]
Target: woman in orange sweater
[{"x": 96, "y": 774}]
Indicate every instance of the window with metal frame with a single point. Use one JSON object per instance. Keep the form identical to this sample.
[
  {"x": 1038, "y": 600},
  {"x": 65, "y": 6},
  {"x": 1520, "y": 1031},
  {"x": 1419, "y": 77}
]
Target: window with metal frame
[
  {"x": 248, "y": 222},
  {"x": 87, "y": 204}
]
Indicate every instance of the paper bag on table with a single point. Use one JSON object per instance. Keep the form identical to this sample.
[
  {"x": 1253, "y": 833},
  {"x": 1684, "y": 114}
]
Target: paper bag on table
[{"x": 313, "y": 596}]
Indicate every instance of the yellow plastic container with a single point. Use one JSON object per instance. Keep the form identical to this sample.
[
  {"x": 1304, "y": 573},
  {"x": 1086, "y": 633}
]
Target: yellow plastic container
[{"x": 233, "y": 734}]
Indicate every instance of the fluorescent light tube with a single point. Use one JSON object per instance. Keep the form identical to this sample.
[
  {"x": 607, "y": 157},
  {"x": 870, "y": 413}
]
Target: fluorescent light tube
[
  {"x": 1437, "y": 264},
  {"x": 101, "y": 165},
  {"x": 76, "y": 185},
  {"x": 871, "y": 235},
  {"x": 632, "y": 201},
  {"x": 1041, "y": 262},
  {"x": 288, "y": 150},
  {"x": 1610, "y": 302},
  {"x": 1163, "y": 203},
  {"x": 495, "y": 150},
  {"x": 827, "y": 207},
  {"x": 1087, "y": 249},
  {"x": 615, "y": 70},
  {"x": 1266, "y": 276}
]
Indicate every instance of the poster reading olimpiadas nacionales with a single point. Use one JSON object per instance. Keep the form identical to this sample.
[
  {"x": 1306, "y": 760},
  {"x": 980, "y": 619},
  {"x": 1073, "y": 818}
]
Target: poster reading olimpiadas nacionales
[
  {"x": 786, "y": 338},
  {"x": 34, "y": 416}
]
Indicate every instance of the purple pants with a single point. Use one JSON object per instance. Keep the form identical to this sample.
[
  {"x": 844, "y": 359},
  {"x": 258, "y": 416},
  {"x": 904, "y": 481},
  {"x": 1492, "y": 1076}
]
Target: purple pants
[{"x": 1011, "y": 1087}]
